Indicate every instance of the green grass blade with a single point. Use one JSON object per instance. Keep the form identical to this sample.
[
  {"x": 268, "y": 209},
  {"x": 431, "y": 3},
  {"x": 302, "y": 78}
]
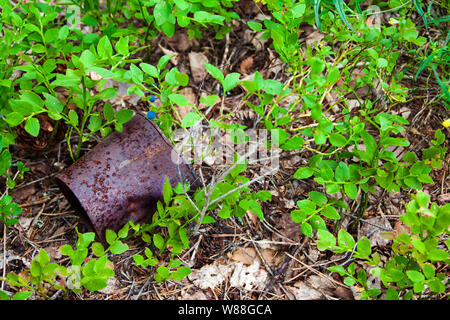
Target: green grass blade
[
  {"x": 339, "y": 5},
  {"x": 441, "y": 84},
  {"x": 420, "y": 11},
  {"x": 316, "y": 5},
  {"x": 440, "y": 20},
  {"x": 424, "y": 64}
]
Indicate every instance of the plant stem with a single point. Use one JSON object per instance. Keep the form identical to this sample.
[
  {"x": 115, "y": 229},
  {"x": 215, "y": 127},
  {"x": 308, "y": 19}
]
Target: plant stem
[{"x": 83, "y": 122}]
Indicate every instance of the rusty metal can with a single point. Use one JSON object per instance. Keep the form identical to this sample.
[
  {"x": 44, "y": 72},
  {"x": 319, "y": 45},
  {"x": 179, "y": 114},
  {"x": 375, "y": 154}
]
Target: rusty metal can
[{"x": 122, "y": 177}]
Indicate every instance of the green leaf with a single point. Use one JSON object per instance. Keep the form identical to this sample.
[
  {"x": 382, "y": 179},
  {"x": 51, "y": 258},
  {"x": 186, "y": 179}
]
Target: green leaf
[
  {"x": 104, "y": 47},
  {"x": 110, "y": 236},
  {"x": 326, "y": 240},
  {"x": 14, "y": 118},
  {"x": 333, "y": 77},
  {"x": 158, "y": 241},
  {"x": 181, "y": 273},
  {"x": 306, "y": 229},
  {"x": 318, "y": 198},
  {"x": 179, "y": 99},
  {"x": 190, "y": 119},
  {"x": 382, "y": 63},
  {"x": 163, "y": 272},
  {"x": 342, "y": 173},
  {"x": 95, "y": 122},
  {"x": 118, "y": 247},
  {"x": 331, "y": 213},
  {"x": 98, "y": 249},
  {"x": 413, "y": 183},
  {"x": 303, "y": 173},
  {"x": 415, "y": 276},
  {"x": 214, "y": 72},
  {"x": 264, "y": 195},
  {"x": 364, "y": 248},
  {"x": 52, "y": 103},
  {"x": 293, "y": 143},
  {"x": 32, "y": 126},
  {"x": 163, "y": 61},
  {"x": 149, "y": 69},
  {"x": 124, "y": 115},
  {"x": 437, "y": 255},
  {"x": 230, "y": 81},
  {"x": 24, "y": 295},
  {"x": 255, "y": 26},
  {"x": 391, "y": 294},
  {"x": 73, "y": 118},
  {"x": 351, "y": 190},
  {"x": 345, "y": 240},
  {"x": 136, "y": 74},
  {"x": 122, "y": 46},
  {"x": 210, "y": 100},
  {"x": 108, "y": 112},
  {"x": 208, "y": 219}
]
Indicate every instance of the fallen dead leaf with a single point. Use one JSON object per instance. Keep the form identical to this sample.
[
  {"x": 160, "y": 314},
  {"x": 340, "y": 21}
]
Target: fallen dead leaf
[
  {"x": 111, "y": 287},
  {"x": 344, "y": 293},
  {"x": 288, "y": 228},
  {"x": 248, "y": 278},
  {"x": 375, "y": 234},
  {"x": 53, "y": 252},
  {"x": 94, "y": 76},
  {"x": 314, "y": 37},
  {"x": 198, "y": 70},
  {"x": 198, "y": 295},
  {"x": 248, "y": 255},
  {"x": 301, "y": 291},
  {"x": 173, "y": 60},
  {"x": 444, "y": 198},
  {"x": 210, "y": 276},
  {"x": 246, "y": 65},
  {"x": 253, "y": 218},
  {"x": 188, "y": 92},
  {"x": 21, "y": 195},
  {"x": 322, "y": 283},
  {"x": 180, "y": 41}
]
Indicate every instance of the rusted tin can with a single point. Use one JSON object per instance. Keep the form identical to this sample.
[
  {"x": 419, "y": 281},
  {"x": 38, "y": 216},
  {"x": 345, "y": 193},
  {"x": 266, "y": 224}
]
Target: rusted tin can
[{"x": 122, "y": 177}]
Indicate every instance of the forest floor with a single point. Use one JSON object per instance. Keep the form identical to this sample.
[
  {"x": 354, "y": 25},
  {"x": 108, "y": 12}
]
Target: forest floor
[{"x": 252, "y": 259}]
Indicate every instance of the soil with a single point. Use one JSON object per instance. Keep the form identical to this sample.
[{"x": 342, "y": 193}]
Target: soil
[{"x": 48, "y": 221}]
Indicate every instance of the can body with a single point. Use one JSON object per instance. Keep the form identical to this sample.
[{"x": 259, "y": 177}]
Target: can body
[{"x": 122, "y": 177}]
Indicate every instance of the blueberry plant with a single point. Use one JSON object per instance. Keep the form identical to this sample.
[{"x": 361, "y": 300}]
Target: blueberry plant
[{"x": 55, "y": 62}]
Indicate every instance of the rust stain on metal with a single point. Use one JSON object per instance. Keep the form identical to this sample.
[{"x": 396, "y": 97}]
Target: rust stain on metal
[{"x": 122, "y": 178}]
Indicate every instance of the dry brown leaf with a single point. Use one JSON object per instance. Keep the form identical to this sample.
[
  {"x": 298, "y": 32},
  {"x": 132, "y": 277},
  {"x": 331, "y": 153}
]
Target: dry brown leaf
[
  {"x": 444, "y": 198},
  {"x": 246, "y": 65},
  {"x": 287, "y": 228},
  {"x": 188, "y": 92},
  {"x": 253, "y": 218},
  {"x": 314, "y": 37},
  {"x": 180, "y": 41},
  {"x": 198, "y": 295},
  {"x": 21, "y": 195},
  {"x": 375, "y": 234},
  {"x": 248, "y": 278},
  {"x": 173, "y": 60},
  {"x": 344, "y": 293},
  {"x": 198, "y": 70},
  {"x": 210, "y": 276},
  {"x": 302, "y": 291},
  {"x": 248, "y": 255}
]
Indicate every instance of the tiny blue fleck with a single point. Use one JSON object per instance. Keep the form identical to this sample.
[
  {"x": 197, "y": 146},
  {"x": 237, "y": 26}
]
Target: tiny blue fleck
[
  {"x": 152, "y": 98},
  {"x": 151, "y": 115}
]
